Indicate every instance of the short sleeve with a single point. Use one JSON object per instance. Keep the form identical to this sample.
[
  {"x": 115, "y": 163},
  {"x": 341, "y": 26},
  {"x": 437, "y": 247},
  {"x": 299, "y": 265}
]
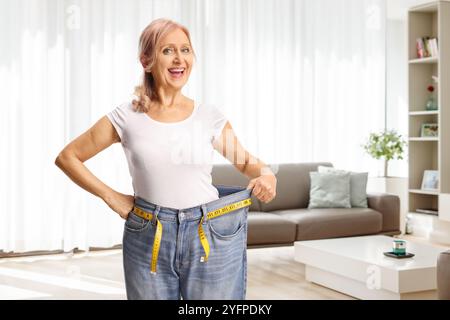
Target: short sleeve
[
  {"x": 218, "y": 121},
  {"x": 118, "y": 118}
]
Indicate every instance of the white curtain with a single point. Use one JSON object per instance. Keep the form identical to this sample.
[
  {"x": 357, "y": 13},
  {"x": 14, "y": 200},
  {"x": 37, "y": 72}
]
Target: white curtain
[{"x": 300, "y": 80}]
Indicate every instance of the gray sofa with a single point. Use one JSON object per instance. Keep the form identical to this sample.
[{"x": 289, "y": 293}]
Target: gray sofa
[
  {"x": 443, "y": 275},
  {"x": 287, "y": 219}
]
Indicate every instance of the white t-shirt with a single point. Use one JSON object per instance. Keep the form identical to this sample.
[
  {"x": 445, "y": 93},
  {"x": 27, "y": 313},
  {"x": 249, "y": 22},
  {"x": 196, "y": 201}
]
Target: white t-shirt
[{"x": 170, "y": 163}]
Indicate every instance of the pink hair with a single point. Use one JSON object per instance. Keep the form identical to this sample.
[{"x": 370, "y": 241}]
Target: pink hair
[{"x": 148, "y": 45}]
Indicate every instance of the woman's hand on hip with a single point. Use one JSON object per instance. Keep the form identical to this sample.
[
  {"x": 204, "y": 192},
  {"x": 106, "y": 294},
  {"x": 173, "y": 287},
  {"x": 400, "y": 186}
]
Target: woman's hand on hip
[
  {"x": 120, "y": 203},
  {"x": 264, "y": 187}
]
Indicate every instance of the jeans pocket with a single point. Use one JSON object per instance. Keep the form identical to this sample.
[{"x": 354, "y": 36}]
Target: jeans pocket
[
  {"x": 228, "y": 226},
  {"x": 134, "y": 223}
]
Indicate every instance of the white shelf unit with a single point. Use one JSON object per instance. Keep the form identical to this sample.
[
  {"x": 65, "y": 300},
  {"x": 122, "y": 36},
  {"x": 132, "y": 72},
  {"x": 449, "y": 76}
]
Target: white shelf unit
[
  {"x": 423, "y": 113},
  {"x": 429, "y": 153},
  {"x": 424, "y": 139},
  {"x": 420, "y": 191},
  {"x": 424, "y": 60}
]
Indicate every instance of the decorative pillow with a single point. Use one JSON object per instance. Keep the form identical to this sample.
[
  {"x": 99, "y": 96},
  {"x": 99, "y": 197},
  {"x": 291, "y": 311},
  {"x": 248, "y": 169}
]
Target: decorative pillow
[
  {"x": 329, "y": 190},
  {"x": 358, "y": 185}
]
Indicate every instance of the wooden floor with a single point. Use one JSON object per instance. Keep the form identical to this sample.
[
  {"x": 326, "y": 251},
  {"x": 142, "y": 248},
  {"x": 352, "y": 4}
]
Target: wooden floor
[{"x": 272, "y": 274}]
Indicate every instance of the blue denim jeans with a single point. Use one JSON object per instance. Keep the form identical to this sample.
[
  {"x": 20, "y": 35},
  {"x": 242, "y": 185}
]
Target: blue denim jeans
[{"x": 180, "y": 273}]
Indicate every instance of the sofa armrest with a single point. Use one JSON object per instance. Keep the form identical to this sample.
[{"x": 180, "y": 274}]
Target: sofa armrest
[
  {"x": 389, "y": 207},
  {"x": 443, "y": 276}
]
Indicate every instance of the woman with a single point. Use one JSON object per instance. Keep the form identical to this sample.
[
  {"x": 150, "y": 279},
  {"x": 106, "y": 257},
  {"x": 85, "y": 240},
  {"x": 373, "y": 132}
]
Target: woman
[{"x": 183, "y": 237}]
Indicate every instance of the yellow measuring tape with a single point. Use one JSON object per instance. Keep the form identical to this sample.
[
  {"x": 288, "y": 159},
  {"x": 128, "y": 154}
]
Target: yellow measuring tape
[
  {"x": 215, "y": 214},
  {"x": 157, "y": 242},
  {"x": 203, "y": 239}
]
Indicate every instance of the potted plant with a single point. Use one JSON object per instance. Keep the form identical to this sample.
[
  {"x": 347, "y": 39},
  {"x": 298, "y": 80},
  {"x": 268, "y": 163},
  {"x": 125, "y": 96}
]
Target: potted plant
[{"x": 387, "y": 145}]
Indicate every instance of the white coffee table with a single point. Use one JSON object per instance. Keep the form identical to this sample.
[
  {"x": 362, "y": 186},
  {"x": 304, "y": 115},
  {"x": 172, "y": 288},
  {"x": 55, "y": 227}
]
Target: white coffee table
[{"x": 356, "y": 266}]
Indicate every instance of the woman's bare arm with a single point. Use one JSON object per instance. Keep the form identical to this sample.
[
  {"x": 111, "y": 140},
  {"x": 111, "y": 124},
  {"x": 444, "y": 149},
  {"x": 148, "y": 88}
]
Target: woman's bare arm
[
  {"x": 70, "y": 160},
  {"x": 262, "y": 178},
  {"x": 228, "y": 145}
]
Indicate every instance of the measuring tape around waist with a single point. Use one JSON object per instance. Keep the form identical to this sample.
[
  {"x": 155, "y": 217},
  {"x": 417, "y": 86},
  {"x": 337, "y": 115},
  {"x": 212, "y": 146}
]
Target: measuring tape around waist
[
  {"x": 203, "y": 239},
  {"x": 214, "y": 214},
  {"x": 158, "y": 235}
]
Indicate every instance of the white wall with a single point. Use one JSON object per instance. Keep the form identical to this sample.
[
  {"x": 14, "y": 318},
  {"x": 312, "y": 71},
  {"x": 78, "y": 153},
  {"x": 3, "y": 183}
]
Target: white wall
[{"x": 396, "y": 88}]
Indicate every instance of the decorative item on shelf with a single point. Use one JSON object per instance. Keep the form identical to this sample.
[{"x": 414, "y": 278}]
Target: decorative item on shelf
[
  {"x": 429, "y": 130},
  {"x": 427, "y": 47},
  {"x": 409, "y": 229},
  {"x": 387, "y": 145},
  {"x": 430, "y": 180},
  {"x": 431, "y": 103}
]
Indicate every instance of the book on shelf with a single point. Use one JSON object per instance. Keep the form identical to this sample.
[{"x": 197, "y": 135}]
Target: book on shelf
[
  {"x": 427, "y": 47},
  {"x": 420, "y": 48},
  {"x": 427, "y": 210}
]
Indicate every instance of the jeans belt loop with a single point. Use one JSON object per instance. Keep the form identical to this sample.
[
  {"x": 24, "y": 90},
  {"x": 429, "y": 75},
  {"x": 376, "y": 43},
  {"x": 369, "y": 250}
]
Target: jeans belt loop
[
  {"x": 205, "y": 213},
  {"x": 155, "y": 215}
]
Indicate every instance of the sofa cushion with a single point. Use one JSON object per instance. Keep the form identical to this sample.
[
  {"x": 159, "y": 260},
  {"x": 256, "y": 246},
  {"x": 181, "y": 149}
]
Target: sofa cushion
[
  {"x": 358, "y": 186},
  {"x": 329, "y": 190},
  {"x": 266, "y": 228},
  {"x": 292, "y": 186},
  {"x": 333, "y": 222}
]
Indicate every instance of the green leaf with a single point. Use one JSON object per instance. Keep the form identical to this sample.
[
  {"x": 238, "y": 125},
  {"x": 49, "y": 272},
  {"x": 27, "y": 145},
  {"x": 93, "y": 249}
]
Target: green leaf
[{"x": 388, "y": 145}]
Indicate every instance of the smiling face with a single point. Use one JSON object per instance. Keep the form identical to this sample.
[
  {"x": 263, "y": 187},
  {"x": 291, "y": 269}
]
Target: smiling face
[{"x": 174, "y": 60}]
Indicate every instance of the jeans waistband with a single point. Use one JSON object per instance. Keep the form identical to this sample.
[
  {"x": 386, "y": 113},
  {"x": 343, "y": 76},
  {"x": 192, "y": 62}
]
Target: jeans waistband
[{"x": 227, "y": 195}]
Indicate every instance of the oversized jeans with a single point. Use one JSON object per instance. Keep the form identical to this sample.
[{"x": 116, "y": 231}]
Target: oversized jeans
[{"x": 181, "y": 272}]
